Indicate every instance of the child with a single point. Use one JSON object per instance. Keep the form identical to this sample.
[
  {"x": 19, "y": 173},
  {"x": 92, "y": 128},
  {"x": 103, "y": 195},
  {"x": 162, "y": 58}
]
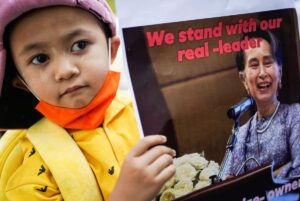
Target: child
[{"x": 60, "y": 52}]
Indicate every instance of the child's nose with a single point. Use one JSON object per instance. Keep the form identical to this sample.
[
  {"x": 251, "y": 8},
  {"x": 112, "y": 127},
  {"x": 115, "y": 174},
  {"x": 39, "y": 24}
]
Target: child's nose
[{"x": 65, "y": 69}]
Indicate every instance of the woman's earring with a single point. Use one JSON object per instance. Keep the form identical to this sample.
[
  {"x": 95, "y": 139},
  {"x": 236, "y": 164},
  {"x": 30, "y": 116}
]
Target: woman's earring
[
  {"x": 279, "y": 84},
  {"x": 247, "y": 89}
]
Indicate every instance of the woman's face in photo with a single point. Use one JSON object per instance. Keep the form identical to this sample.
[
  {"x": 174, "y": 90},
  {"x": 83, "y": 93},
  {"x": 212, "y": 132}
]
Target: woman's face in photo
[{"x": 262, "y": 74}]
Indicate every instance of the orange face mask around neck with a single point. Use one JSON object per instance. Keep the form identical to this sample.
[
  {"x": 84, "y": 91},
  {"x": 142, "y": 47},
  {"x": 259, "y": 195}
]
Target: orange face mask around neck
[{"x": 88, "y": 117}]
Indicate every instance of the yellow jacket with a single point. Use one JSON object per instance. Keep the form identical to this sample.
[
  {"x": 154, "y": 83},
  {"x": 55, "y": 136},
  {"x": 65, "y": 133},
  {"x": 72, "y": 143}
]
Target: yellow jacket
[{"x": 24, "y": 174}]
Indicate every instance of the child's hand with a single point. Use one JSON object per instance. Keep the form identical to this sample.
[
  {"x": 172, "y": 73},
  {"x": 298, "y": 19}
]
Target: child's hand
[{"x": 146, "y": 168}]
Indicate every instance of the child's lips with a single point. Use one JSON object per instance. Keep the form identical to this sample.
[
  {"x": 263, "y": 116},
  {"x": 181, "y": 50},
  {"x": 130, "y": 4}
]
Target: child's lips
[{"x": 72, "y": 89}]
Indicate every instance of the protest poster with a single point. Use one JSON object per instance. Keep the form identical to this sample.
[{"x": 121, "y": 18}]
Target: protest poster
[{"x": 180, "y": 57}]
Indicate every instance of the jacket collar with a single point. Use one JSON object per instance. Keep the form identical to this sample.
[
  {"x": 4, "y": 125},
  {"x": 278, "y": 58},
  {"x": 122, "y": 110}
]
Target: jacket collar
[{"x": 118, "y": 104}]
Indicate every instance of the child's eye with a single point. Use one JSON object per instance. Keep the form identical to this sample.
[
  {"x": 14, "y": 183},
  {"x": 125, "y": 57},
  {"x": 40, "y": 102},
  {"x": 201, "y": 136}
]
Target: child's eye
[
  {"x": 78, "y": 46},
  {"x": 39, "y": 59}
]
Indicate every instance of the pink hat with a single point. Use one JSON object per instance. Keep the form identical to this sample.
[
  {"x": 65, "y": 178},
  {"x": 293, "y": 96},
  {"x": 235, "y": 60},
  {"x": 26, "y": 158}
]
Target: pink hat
[
  {"x": 10, "y": 10},
  {"x": 16, "y": 106}
]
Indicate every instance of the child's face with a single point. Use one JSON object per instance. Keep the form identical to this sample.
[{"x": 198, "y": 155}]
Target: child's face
[{"x": 62, "y": 54}]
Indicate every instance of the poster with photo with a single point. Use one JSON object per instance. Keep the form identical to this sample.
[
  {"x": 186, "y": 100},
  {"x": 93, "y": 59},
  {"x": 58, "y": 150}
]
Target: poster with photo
[{"x": 182, "y": 64}]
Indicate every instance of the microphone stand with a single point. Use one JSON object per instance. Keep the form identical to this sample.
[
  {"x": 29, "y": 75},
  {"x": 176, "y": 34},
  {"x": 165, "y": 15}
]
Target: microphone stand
[
  {"x": 229, "y": 147},
  {"x": 235, "y": 113}
]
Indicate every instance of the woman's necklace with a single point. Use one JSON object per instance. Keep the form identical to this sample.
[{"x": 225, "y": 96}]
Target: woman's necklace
[{"x": 261, "y": 130}]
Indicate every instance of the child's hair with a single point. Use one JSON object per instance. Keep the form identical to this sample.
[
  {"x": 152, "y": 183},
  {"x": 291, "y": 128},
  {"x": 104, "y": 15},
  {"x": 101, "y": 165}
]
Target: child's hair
[
  {"x": 270, "y": 38},
  {"x": 16, "y": 105}
]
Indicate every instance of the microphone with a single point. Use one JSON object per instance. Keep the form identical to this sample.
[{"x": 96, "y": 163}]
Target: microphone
[{"x": 237, "y": 110}]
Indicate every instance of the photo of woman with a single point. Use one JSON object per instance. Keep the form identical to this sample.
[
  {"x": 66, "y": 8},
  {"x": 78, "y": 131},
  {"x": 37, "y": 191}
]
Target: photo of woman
[{"x": 272, "y": 134}]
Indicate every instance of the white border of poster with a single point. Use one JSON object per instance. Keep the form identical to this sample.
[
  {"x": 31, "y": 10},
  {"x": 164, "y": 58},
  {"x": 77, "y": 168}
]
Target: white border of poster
[{"x": 142, "y": 12}]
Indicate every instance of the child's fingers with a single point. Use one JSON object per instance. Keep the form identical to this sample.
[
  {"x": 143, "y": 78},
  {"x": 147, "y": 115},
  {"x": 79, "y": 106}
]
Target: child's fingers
[
  {"x": 166, "y": 174},
  {"x": 160, "y": 164},
  {"x": 155, "y": 152},
  {"x": 146, "y": 143}
]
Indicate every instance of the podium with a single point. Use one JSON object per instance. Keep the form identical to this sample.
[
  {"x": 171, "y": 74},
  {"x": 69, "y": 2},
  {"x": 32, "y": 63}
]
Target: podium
[{"x": 257, "y": 185}]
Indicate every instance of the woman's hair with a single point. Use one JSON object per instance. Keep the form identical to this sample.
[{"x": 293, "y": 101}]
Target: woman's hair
[{"x": 270, "y": 38}]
